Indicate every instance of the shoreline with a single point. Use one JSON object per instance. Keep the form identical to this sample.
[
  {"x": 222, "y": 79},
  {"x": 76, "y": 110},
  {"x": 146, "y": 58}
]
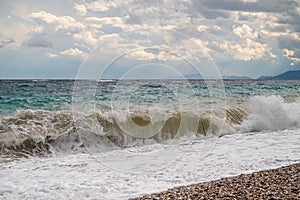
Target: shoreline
[{"x": 279, "y": 183}]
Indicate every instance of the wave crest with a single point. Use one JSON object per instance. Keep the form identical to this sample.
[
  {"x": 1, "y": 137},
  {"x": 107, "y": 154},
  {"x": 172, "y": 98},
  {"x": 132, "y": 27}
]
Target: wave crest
[
  {"x": 32, "y": 132},
  {"x": 39, "y": 132}
]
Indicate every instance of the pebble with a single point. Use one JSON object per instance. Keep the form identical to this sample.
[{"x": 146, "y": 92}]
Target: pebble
[{"x": 281, "y": 183}]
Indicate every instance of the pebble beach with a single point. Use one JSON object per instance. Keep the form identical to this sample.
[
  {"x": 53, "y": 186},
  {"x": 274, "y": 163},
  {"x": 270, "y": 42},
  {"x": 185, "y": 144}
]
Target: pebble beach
[{"x": 280, "y": 183}]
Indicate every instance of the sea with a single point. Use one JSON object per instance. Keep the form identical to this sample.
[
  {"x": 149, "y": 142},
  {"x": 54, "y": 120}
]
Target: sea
[{"x": 119, "y": 139}]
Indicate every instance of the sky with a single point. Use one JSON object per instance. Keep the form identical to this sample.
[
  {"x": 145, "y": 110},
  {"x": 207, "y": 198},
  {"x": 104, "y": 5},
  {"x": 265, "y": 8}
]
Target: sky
[{"x": 155, "y": 38}]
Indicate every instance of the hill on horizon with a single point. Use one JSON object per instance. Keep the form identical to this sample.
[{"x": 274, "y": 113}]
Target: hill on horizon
[
  {"x": 233, "y": 77},
  {"x": 288, "y": 75}
]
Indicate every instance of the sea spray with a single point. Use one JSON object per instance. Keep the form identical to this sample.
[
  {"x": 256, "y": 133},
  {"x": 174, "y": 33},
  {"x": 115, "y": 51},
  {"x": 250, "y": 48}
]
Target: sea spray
[
  {"x": 271, "y": 113},
  {"x": 36, "y": 130}
]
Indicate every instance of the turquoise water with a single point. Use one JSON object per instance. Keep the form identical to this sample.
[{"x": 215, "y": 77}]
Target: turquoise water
[
  {"x": 34, "y": 94},
  {"x": 44, "y": 116},
  {"x": 55, "y": 95}
]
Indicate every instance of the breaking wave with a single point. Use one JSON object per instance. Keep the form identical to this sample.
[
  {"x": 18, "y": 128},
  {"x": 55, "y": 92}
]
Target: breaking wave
[
  {"x": 35, "y": 132},
  {"x": 40, "y": 132},
  {"x": 271, "y": 113}
]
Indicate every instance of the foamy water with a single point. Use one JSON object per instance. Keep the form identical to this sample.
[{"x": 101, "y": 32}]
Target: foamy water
[
  {"x": 120, "y": 140},
  {"x": 119, "y": 175}
]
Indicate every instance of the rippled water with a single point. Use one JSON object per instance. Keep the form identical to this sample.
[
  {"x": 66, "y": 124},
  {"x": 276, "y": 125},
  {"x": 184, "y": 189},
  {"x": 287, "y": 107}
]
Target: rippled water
[{"x": 55, "y": 95}]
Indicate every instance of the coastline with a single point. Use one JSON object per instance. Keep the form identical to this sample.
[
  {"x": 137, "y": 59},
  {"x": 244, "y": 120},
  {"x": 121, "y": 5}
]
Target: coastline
[{"x": 279, "y": 183}]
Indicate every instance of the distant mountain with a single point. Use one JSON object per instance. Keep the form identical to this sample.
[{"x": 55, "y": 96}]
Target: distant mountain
[
  {"x": 198, "y": 76},
  {"x": 193, "y": 76},
  {"x": 289, "y": 75},
  {"x": 264, "y": 77},
  {"x": 236, "y": 78}
]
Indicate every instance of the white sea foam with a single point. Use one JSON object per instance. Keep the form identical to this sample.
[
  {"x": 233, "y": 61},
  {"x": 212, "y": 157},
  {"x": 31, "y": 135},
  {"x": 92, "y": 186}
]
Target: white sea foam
[
  {"x": 101, "y": 176},
  {"x": 271, "y": 113}
]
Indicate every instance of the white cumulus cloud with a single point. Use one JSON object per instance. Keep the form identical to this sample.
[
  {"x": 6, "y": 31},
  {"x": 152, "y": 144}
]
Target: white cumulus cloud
[
  {"x": 73, "y": 52},
  {"x": 80, "y": 9},
  {"x": 63, "y": 22},
  {"x": 245, "y": 31}
]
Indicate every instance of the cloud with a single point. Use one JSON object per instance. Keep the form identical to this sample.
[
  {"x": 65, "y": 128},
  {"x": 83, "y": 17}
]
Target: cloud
[
  {"x": 251, "y": 6},
  {"x": 245, "y": 39},
  {"x": 102, "y": 5},
  {"x": 231, "y": 31},
  {"x": 51, "y": 55},
  {"x": 40, "y": 42},
  {"x": 249, "y": 1},
  {"x": 245, "y": 32},
  {"x": 80, "y": 9},
  {"x": 288, "y": 52},
  {"x": 47, "y": 17},
  {"x": 13, "y": 28},
  {"x": 63, "y": 22},
  {"x": 105, "y": 20},
  {"x": 97, "y": 6},
  {"x": 202, "y": 28},
  {"x": 86, "y": 37},
  {"x": 294, "y": 55},
  {"x": 251, "y": 50},
  {"x": 5, "y": 42},
  {"x": 73, "y": 52}
]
